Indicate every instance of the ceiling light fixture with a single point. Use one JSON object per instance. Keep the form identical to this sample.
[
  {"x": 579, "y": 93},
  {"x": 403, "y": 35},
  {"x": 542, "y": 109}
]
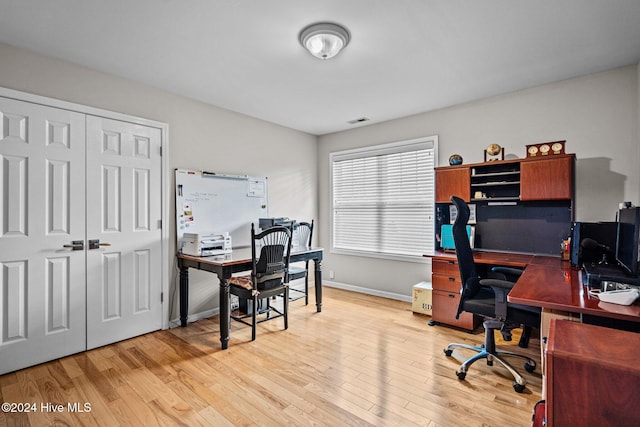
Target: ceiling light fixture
[{"x": 324, "y": 40}]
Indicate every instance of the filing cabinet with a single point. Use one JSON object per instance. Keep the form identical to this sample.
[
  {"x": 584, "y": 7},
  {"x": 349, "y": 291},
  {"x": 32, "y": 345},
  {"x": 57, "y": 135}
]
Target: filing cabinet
[
  {"x": 446, "y": 284},
  {"x": 592, "y": 375}
]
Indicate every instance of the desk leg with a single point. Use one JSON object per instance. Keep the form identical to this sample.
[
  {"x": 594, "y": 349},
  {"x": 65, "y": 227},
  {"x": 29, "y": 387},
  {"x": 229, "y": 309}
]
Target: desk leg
[
  {"x": 224, "y": 312},
  {"x": 184, "y": 295},
  {"x": 318, "y": 283}
]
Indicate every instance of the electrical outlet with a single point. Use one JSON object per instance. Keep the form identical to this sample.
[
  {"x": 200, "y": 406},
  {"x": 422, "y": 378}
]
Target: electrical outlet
[{"x": 332, "y": 274}]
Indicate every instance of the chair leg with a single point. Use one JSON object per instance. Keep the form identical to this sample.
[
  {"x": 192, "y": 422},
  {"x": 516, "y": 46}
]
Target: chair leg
[
  {"x": 306, "y": 288},
  {"x": 268, "y": 310},
  {"x": 285, "y": 307},
  {"x": 254, "y": 318},
  {"x": 524, "y": 338}
]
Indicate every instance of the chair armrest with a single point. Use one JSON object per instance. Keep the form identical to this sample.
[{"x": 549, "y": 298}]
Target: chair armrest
[
  {"x": 510, "y": 274},
  {"x": 501, "y": 289},
  {"x": 497, "y": 283}
]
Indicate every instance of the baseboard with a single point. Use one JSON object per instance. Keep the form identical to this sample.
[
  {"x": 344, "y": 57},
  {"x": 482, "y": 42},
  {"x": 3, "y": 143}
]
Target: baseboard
[
  {"x": 194, "y": 317},
  {"x": 368, "y": 291}
]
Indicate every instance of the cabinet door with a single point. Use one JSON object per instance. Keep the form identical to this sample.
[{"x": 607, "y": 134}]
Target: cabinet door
[
  {"x": 548, "y": 179},
  {"x": 453, "y": 182}
]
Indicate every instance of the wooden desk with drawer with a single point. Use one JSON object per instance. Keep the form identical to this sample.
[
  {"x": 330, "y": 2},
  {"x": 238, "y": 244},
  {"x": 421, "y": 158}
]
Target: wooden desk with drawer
[{"x": 446, "y": 284}]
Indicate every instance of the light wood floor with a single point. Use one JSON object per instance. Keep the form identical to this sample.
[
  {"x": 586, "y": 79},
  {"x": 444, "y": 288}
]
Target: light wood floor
[{"x": 362, "y": 361}]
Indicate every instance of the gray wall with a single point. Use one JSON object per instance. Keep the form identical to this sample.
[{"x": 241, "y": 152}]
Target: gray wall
[
  {"x": 200, "y": 137},
  {"x": 597, "y": 115}
]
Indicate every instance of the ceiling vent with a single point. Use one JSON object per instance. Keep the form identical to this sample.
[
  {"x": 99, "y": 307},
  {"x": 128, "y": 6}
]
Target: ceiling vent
[{"x": 360, "y": 120}]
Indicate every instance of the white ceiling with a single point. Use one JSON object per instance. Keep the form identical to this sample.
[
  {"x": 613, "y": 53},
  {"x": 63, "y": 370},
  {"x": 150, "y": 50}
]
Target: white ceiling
[{"x": 405, "y": 56}]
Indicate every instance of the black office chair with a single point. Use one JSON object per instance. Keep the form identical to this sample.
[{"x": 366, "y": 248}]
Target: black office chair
[
  {"x": 305, "y": 233},
  {"x": 267, "y": 278},
  {"x": 488, "y": 298}
]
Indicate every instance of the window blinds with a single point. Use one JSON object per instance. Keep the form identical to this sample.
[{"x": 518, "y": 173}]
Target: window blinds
[{"x": 383, "y": 199}]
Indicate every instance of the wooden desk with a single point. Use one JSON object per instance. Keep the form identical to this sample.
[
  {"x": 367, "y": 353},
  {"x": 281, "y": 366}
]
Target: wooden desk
[
  {"x": 446, "y": 284},
  {"x": 238, "y": 261},
  {"x": 553, "y": 284},
  {"x": 550, "y": 283}
]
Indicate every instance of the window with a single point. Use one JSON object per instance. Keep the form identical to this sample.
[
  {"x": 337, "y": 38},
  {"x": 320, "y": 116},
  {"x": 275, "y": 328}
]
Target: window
[{"x": 383, "y": 199}]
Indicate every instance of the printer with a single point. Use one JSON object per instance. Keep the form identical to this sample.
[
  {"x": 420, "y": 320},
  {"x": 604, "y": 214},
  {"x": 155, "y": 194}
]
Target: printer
[
  {"x": 265, "y": 223},
  {"x": 206, "y": 244}
]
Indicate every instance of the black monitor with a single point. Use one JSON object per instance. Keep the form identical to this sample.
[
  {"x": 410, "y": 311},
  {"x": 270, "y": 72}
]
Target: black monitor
[{"x": 627, "y": 239}]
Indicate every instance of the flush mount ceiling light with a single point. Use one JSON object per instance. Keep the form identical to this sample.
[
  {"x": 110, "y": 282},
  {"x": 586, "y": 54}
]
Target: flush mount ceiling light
[{"x": 324, "y": 40}]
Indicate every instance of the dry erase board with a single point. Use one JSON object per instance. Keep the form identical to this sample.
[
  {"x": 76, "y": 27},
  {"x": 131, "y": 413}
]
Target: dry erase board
[{"x": 207, "y": 202}]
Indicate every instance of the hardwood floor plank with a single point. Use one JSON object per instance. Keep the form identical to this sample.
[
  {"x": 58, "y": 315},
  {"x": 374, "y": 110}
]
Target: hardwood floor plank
[
  {"x": 363, "y": 361},
  {"x": 137, "y": 406},
  {"x": 214, "y": 418},
  {"x": 100, "y": 410}
]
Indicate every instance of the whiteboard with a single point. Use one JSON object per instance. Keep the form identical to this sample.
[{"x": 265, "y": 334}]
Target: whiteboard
[{"x": 208, "y": 202}]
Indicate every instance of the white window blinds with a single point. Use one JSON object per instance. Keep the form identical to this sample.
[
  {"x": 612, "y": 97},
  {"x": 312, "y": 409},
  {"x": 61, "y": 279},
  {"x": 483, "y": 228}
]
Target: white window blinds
[{"x": 383, "y": 199}]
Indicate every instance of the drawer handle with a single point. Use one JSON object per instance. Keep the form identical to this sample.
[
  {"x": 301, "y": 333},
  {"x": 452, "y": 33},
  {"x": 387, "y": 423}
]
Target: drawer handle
[
  {"x": 451, "y": 262},
  {"x": 451, "y": 296},
  {"x": 452, "y": 279}
]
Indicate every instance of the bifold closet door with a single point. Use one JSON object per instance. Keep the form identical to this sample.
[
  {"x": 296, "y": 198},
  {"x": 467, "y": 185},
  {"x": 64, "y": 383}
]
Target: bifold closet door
[
  {"x": 124, "y": 212},
  {"x": 42, "y": 280},
  {"x": 80, "y": 232}
]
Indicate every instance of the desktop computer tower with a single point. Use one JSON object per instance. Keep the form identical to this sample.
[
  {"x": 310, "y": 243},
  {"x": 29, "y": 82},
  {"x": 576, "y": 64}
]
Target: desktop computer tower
[{"x": 603, "y": 233}]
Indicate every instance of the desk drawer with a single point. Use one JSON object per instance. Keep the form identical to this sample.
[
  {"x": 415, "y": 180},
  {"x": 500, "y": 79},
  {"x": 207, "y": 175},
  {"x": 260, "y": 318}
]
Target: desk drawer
[
  {"x": 445, "y": 266},
  {"x": 449, "y": 282},
  {"x": 445, "y": 305}
]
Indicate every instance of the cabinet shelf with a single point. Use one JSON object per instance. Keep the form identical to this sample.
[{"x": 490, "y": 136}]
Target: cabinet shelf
[
  {"x": 494, "y": 184},
  {"x": 496, "y": 199},
  {"x": 485, "y": 175}
]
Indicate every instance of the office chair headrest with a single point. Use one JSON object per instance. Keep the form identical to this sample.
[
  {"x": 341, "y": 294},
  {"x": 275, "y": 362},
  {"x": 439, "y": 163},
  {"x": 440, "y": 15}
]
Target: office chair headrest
[{"x": 462, "y": 208}]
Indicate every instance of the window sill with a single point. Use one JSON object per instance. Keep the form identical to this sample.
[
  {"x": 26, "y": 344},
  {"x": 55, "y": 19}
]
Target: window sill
[{"x": 394, "y": 257}]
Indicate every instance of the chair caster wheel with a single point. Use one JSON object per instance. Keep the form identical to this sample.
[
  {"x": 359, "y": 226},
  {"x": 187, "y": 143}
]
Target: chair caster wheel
[
  {"x": 461, "y": 375},
  {"x": 448, "y": 352},
  {"x": 518, "y": 387},
  {"x": 529, "y": 367}
]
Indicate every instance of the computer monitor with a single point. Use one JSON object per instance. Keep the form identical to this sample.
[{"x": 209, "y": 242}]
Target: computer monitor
[{"x": 628, "y": 239}]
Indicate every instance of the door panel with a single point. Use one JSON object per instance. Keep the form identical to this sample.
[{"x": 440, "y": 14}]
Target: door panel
[
  {"x": 42, "y": 283},
  {"x": 124, "y": 210}
]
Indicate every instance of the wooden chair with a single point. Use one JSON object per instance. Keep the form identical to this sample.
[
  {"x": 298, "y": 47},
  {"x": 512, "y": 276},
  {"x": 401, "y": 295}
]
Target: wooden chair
[
  {"x": 295, "y": 272},
  {"x": 267, "y": 278}
]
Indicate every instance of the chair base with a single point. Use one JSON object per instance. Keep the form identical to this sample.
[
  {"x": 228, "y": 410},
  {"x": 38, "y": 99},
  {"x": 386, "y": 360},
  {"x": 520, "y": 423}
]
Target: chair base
[
  {"x": 242, "y": 318},
  {"x": 296, "y": 294},
  {"x": 488, "y": 351},
  {"x": 299, "y": 293},
  {"x": 254, "y": 312}
]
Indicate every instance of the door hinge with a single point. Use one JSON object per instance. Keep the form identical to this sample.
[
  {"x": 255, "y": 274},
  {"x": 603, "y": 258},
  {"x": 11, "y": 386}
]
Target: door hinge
[{"x": 161, "y": 297}]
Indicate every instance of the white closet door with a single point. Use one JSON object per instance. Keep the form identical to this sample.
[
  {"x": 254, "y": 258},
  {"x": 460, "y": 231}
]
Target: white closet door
[
  {"x": 42, "y": 283},
  {"x": 123, "y": 210}
]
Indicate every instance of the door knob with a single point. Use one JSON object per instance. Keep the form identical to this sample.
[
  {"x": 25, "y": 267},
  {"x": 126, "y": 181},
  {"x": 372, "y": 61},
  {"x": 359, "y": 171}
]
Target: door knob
[
  {"x": 95, "y": 244},
  {"x": 76, "y": 245}
]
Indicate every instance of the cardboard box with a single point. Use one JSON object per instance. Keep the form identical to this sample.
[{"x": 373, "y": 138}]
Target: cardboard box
[{"x": 422, "y": 298}]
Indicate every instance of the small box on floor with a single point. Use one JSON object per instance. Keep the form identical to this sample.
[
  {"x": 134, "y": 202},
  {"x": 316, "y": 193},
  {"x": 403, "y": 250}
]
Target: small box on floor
[{"x": 422, "y": 298}]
